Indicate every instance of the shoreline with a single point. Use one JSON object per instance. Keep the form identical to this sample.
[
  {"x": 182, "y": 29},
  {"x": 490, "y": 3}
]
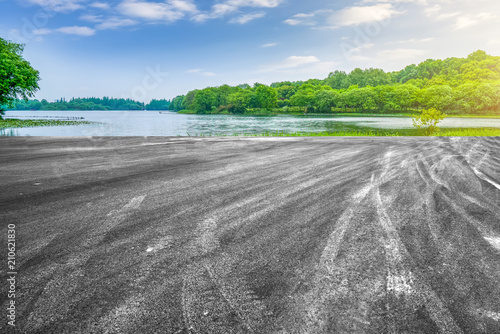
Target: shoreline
[{"x": 409, "y": 115}]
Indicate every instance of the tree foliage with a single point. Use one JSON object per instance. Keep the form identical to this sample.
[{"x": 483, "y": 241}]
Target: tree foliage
[
  {"x": 158, "y": 105},
  {"x": 427, "y": 122},
  {"x": 18, "y": 80}
]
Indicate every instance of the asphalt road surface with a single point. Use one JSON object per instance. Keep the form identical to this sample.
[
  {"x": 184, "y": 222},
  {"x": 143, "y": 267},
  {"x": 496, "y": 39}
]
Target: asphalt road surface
[{"x": 252, "y": 235}]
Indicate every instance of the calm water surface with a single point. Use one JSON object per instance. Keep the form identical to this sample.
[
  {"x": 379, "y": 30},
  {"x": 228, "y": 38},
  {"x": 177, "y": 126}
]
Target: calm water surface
[{"x": 154, "y": 123}]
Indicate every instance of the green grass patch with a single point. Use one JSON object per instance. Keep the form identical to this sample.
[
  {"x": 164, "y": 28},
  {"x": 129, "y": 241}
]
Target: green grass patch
[
  {"x": 468, "y": 132},
  {"x": 364, "y": 132},
  {"x": 187, "y": 112},
  {"x": 30, "y": 123},
  {"x": 352, "y": 133},
  {"x": 472, "y": 116}
]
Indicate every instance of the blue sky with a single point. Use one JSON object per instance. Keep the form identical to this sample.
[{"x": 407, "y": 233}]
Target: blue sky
[{"x": 145, "y": 49}]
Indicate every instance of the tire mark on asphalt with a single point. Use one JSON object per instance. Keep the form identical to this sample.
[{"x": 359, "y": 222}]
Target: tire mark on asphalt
[
  {"x": 451, "y": 171},
  {"x": 114, "y": 219},
  {"x": 403, "y": 282},
  {"x": 484, "y": 177},
  {"x": 213, "y": 297},
  {"x": 316, "y": 315},
  {"x": 486, "y": 231},
  {"x": 53, "y": 302},
  {"x": 473, "y": 186},
  {"x": 31, "y": 250},
  {"x": 236, "y": 292}
]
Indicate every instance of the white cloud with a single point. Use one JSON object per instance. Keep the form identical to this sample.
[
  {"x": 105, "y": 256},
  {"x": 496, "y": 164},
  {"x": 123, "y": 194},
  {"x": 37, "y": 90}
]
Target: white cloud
[
  {"x": 232, "y": 6},
  {"x": 115, "y": 22},
  {"x": 352, "y": 52},
  {"x": 243, "y": 19},
  {"x": 295, "y": 61},
  {"x": 362, "y": 47},
  {"x": 170, "y": 11},
  {"x": 75, "y": 30},
  {"x": 295, "y": 66},
  {"x": 472, "y": 20},
  {"x": 183, "y": 6},
  {"x": 448, "y": 15},
  {"x": 236, "y": 4},
  {"x": 465, "y": 22},
  {"x": 291, "y": 63},
  {"x": 432, "y": 11},
  {"x": 359, "y": 58},
  {"x": 358, "y": 15},
  {"x": 435, "y": 11},
  {"x": 100, "y": 5},
  {"x": 92, "y": 18},
  {"x": 42, "y": 31},
  {"x": 269, "y": 45},
  {"x": 302, "y": 19},
  {"x": 201, "y": 72},
  {"x": 402, "y": 54},
  {"x": 412, "y": 40},
  {"x": 59, "y": 5},
  {"x": 201, "y": 17}
]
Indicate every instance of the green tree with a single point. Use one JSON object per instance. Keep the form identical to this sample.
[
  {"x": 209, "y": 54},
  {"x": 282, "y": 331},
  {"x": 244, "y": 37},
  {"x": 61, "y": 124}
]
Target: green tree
[
  {"x": 438, "y": 97},
  {"x": 404, "y": 96},
  {"x": 360, "y": 98},
  {"x": 187, "y": 102},
  {"x": 204, "y": 100},
  {"x": 17, "y": 78},
  {"x": 325, "y": 100},
  {"x": 337, "y": 80},
  {"x": 428, "y": 120},
  {"x": 286, "y": 92},
  {"x": 177, "y": 103},
  {"x": 266, "y": 97},
  {"x": 239, "y": 101},
  {"x": 304, "y": 97}
]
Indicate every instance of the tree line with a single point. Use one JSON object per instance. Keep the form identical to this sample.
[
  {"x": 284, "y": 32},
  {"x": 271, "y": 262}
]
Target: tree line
[
  {"x": 462, "y": 85},
  {"x": 91, "y": 103},
  {"x": 453, "y": 85}
]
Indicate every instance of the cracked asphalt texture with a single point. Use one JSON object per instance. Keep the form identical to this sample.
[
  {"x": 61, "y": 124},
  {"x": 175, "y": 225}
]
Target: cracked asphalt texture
[{"x": 253, "y": 235}]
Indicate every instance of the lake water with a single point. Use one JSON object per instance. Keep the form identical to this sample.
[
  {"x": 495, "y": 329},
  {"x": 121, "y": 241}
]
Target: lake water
[{"x": 154, "y": 123}]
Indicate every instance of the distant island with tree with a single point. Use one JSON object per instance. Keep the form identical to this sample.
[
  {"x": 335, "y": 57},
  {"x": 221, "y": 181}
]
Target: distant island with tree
[{"x": 90, "y": 103}]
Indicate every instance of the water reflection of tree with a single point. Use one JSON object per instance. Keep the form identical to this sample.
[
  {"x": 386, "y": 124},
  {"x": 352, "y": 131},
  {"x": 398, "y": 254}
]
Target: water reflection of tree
[{"x": 8, "y": 133}]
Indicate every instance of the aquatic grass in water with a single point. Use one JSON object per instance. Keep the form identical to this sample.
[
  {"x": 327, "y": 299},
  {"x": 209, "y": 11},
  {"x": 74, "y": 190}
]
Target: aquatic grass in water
[
  {"x": 462, "y": 132},
  {"x": 30, "y": 123},
  {"x": 305, "y": 134},
  {"x": 469, "y": 132}
]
